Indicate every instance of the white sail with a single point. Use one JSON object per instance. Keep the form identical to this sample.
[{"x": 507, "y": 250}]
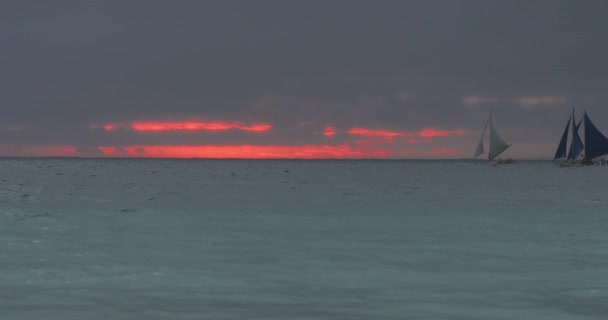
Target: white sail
[
  {"x": 497, "y": 144},
  {"x": 479, "y": 150}
]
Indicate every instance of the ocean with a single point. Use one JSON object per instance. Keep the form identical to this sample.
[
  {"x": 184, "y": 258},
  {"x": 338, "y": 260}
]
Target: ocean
[{"x": 301, "y": 239}]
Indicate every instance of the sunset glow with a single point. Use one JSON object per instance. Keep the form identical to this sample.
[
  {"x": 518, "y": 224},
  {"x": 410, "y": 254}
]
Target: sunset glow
[
  {"x": 384, "y": 134},
  {"x": 363, "y": 149},
  {"x": 390, "y": 135},
  {"x": 431, "y": 133},
  {"x": 363, "y": 143},
  {"x": 246, "y": 151},
  {"x": 370, "y": 143},
  {"x": 329, "y": 131},
  {"x": 199, "y": 126},
  {"x": 106, "y": 127},
  {"x": 354, "y": 150}
]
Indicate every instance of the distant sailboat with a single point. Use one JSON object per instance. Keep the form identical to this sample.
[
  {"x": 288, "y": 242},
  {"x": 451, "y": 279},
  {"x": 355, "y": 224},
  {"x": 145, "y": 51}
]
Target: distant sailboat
[
  {"x": 576, "y": 144},
  {"x": 497, "y": 143},
  {"x": 595, "y": 143}
]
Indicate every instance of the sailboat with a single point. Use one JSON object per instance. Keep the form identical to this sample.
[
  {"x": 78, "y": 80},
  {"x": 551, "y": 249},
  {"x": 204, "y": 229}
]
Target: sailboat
[
  {"x": 594, "y": 144},
  {"x": 576, "y": 144},
  {"x": 497, "y": 143}
]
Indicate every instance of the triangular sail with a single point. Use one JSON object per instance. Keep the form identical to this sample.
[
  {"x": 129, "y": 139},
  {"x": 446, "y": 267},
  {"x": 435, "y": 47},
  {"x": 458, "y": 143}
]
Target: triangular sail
[
  {"x": 497, "y": 144},
  {"x": 479, "y": 150},
  {"x": 596, "y": 144},
  {"x": 576, "y": 146},
  {"x": 560, "y": 153}
]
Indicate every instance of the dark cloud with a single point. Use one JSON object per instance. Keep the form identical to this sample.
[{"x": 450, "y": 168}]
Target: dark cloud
[{"x": 397, "y": 64}]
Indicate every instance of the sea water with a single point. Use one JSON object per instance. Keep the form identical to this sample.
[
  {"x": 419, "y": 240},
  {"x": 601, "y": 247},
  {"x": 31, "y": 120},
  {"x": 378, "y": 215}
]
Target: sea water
[{"x": 295, "y": 239}]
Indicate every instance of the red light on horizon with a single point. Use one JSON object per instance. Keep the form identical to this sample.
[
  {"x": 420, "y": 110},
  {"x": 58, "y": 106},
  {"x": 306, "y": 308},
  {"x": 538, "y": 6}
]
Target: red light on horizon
[
  {"x": 247, "y": 151},
  {"x": 347, "y": 150}
]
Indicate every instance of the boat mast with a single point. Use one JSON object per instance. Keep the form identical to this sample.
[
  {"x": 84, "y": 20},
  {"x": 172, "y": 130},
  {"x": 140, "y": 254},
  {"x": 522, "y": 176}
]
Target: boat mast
[{"x": 490, "y": 141}]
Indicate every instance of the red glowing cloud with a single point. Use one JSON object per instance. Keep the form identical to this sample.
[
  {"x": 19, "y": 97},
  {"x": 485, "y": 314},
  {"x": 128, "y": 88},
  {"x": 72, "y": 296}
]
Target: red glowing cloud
[
  {"x": 431, "y": 133},
  {"x": 329, "y": 132},
  {"x": 390, "y": 135},
  {"x": 106, "y": 127},
  {"x": 383, "y": 134},
  {"x": 348, "y": 150},
  {"x": 379, "y": 137},
  {"x": 370, "y": 143},
  {"x": 246, "y": 151},
  {"x": 199, "y": 126},
  {"x": 160, "y": 126}
]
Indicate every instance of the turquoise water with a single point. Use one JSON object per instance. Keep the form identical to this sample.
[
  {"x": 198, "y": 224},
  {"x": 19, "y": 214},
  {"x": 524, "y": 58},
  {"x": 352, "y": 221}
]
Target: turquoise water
[{"x": 286, "y": 239}]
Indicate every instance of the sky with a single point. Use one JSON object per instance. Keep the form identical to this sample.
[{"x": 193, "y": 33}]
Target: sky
[{"x": 297, "y": 79}]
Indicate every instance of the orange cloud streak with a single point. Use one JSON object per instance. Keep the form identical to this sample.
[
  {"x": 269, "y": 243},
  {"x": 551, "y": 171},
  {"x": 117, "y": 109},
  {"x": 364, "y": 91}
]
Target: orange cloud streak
[
  {"x": 198, "y": 126},
  {"x": 431, "y": 133},
  {"x": 350, "y": 150},
  {"x": 329, "y": 132},
  {"x": 390, "y": 135},
  {"x": 252, "y": 151},
  {"x": 384, "y": 134}
]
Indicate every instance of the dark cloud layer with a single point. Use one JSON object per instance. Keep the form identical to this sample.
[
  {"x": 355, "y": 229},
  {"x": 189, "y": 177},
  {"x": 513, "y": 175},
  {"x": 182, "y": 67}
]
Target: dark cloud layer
[{"x": 402, "y": 65}]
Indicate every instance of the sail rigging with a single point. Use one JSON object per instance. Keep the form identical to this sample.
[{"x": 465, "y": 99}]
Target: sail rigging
[
  {"x": 479, "y": 150},
  {"x": 576, "y": 146},
  {"x": 596, "y": 144},
  {"x": 497, "y": 143},
  {"x": 560, "y": 153}
]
